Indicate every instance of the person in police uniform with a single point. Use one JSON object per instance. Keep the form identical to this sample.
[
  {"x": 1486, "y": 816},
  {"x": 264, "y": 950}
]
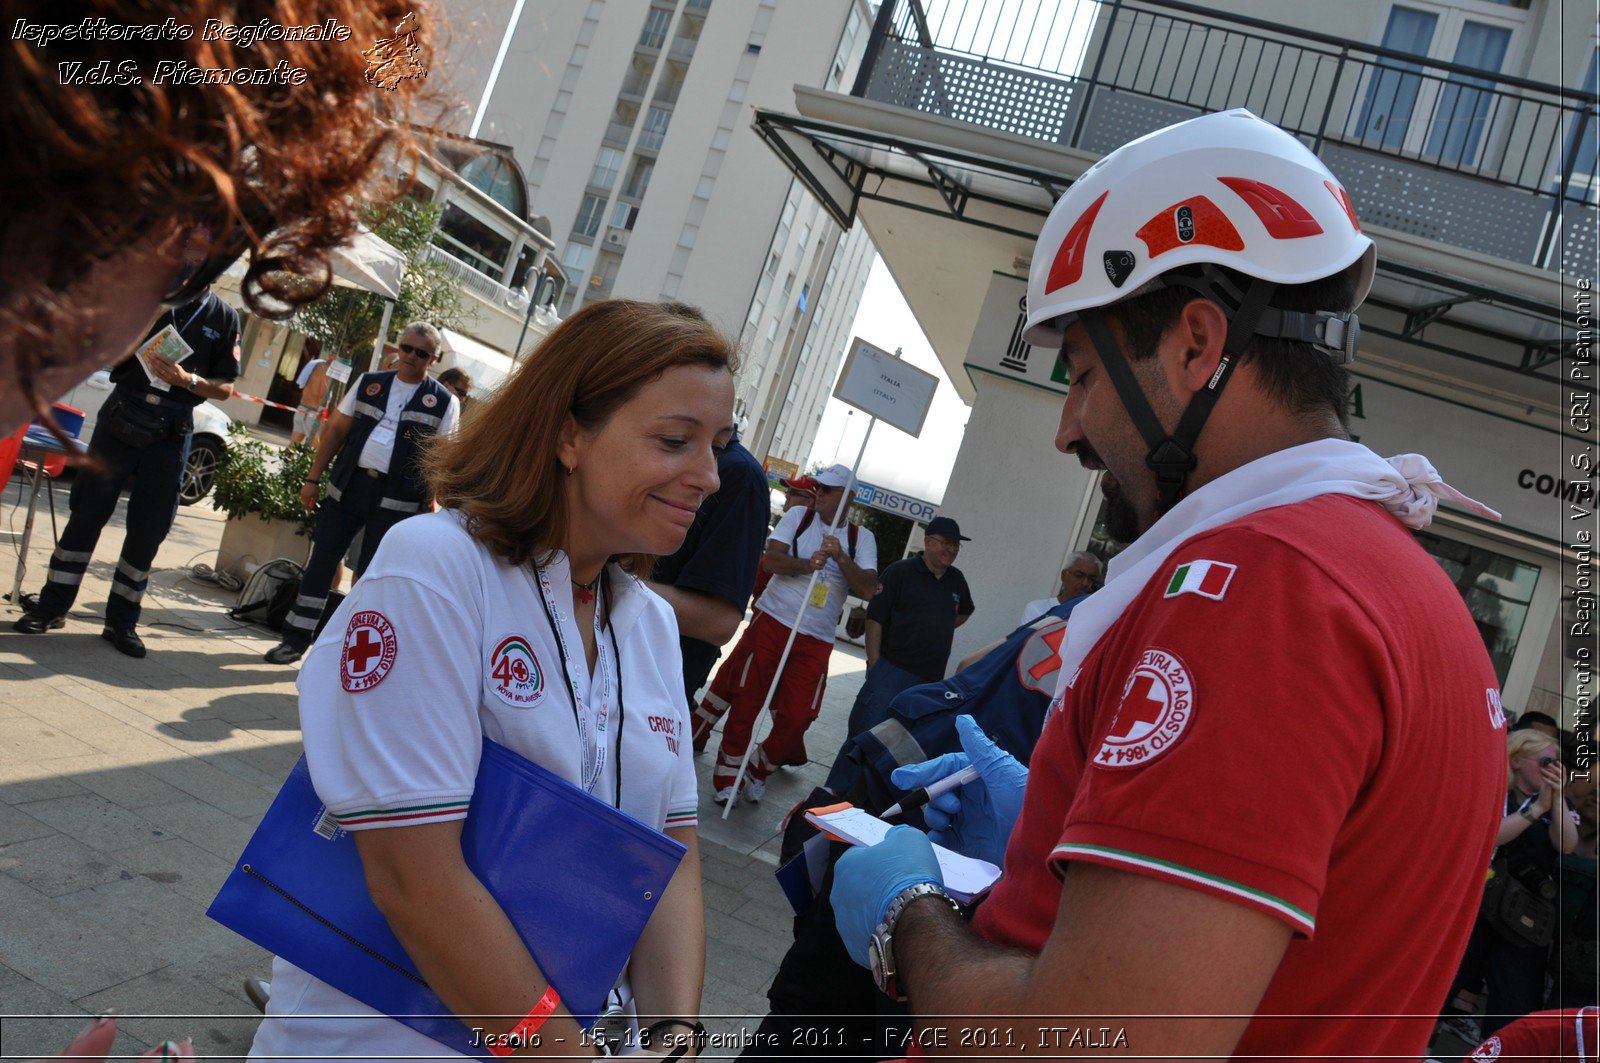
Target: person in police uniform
[
  {"x": 373, "y": 442},
  {"x": 142, "y": 435}
]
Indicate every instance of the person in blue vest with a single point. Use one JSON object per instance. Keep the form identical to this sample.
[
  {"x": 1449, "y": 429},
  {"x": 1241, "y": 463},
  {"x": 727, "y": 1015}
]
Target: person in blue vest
[{"x": 374, "y": 443}]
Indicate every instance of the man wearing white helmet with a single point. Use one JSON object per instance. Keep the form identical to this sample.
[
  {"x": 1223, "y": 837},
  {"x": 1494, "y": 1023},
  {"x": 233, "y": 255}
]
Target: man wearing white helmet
[{"x": 1258, "y": 818}]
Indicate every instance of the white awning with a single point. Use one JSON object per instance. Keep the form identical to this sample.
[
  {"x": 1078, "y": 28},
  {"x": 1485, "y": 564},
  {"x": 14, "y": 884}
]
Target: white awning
[
  {"x": 368, "y": 262},
  {"x": 486, "y": 366}
]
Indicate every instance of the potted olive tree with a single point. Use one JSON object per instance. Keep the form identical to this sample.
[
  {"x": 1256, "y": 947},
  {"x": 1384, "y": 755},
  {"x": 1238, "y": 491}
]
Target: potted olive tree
[{"x": 258, "y": 487}]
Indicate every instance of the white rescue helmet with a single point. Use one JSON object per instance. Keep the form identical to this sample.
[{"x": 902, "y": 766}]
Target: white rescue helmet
[{"x": 1229, "y": 189}]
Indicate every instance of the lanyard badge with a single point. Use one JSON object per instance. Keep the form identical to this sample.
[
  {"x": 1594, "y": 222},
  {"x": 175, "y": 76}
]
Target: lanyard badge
[{"x": 592, "y": 720}]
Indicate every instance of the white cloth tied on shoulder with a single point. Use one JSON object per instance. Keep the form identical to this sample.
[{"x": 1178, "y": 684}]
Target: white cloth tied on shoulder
[
  {"x": 1407, "y": 486},
  {"x": 1417, "y": 489}
]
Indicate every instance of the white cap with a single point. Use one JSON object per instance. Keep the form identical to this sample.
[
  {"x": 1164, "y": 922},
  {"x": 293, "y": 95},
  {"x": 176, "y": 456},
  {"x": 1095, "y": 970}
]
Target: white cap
[{"x": 833, "y": 476}]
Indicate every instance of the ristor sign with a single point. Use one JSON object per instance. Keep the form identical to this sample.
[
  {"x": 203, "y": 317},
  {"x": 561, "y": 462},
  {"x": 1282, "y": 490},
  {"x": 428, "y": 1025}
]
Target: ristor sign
[{"x": 916, "y": 509}]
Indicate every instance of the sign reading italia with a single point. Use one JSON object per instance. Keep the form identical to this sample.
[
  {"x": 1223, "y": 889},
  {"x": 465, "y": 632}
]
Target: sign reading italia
[{"x": 883, "y": 386}]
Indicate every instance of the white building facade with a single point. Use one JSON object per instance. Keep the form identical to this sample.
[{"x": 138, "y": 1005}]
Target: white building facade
[
  {"x": 632, "y": 120},
  {"x": 1465, "y": 131}
]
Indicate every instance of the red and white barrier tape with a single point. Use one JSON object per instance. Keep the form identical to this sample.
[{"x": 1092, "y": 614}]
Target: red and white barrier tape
[{"x": 323, "y": 415}]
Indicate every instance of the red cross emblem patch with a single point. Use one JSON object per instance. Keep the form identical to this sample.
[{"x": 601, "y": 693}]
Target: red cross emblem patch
[
  {"x": 1156, "y": 708},
  {"x": 1039, "y": 661},
  {"x": 430, "y": 401},
  {"x": 370, "y": 648},
  {"x": 1497, "y": 710}
]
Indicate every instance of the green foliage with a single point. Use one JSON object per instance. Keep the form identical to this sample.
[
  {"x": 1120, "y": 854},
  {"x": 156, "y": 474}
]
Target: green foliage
[
  {"x": 256, "y": 480},
  {"x": 891, "y": 530},
  {"x": 346, "y": 320}
]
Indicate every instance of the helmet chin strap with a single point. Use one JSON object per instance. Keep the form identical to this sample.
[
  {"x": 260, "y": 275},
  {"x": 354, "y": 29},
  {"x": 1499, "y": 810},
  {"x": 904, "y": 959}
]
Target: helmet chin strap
[{"x": 1171, "y": 456}]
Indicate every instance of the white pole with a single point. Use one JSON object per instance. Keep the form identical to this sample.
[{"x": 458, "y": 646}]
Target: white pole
[
  {"x": 494, "y": 69},
  {"x": 805, "y": 599},
  {"x": 383, "y": 334}
]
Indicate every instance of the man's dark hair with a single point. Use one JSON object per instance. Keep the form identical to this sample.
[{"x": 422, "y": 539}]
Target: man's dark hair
[
  {"x": 1531, "y": 717},
  {"x": 1302, "y": 377},
  {"x": 454, "y": 374}
]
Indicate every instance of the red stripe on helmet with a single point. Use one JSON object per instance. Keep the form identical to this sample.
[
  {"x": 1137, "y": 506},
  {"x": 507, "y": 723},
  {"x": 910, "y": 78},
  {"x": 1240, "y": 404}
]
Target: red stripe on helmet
[
  {"x": 1196, "y": 220},
  {"x": 1344, "y": 201},
  {"x": 1068, "y": 265},
  {"x": 1281, "y": 213}
]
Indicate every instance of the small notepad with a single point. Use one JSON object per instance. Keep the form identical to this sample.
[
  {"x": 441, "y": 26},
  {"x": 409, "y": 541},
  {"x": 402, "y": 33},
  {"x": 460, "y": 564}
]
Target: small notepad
[{"x": 964, "y": 877}]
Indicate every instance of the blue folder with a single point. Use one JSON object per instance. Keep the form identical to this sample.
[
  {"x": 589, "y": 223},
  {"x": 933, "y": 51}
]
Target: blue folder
[{"x": 576, "y": 877}]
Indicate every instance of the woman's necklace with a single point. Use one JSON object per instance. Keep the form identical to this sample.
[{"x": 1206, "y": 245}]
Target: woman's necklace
[{"x": 584, "y": 592}]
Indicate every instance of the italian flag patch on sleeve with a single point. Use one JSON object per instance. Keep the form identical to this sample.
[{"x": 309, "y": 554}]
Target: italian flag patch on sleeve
[{"x": 1207, "y": 578}]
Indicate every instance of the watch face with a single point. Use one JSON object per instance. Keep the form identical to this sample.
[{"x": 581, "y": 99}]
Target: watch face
[{"x": 875, "y": 962}]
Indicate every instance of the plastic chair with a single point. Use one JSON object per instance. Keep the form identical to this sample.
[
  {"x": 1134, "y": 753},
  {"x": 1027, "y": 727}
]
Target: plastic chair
[
  {"x": 71, "y": 421},
  {"x": 10, "y": 447}
]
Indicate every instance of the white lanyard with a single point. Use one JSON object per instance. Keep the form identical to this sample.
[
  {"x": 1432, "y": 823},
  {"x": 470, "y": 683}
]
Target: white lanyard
[
  {"x": 197, "y": 312},
  {"x": 592, "y": 722}
]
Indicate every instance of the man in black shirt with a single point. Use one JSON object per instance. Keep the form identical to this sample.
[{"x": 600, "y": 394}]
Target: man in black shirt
[
  {"x": 911, "y": 623},
  {"x": 143, "y": 433},
  {"x": 707, "y": 582}
]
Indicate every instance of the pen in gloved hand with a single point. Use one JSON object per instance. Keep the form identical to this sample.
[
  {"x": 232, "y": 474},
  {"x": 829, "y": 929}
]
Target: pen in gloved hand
[{"x": 923, "y": 794}]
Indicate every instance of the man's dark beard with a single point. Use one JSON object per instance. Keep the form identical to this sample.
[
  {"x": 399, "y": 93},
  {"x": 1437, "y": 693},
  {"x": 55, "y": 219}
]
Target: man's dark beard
[
  {"x": 1121, "y": 520},
  {"x": 1122, "y": 523}
]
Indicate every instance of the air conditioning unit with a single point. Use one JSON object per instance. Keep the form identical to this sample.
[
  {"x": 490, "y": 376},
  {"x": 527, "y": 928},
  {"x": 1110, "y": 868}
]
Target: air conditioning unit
[{"x": 615, "y": 239}]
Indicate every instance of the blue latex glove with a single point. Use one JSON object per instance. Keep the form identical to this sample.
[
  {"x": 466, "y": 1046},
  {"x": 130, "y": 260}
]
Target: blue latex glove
[
  {"x": 868, "y": 877},
  {"x": 976, "y": 819}
]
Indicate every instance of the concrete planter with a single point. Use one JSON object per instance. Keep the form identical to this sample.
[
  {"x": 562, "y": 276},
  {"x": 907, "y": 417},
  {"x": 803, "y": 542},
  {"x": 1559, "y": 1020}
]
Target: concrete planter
[{"x": 250, "y": 542}]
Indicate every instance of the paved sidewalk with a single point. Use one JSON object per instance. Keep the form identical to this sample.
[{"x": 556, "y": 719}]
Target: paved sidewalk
[{"x": 127, "y": 789}]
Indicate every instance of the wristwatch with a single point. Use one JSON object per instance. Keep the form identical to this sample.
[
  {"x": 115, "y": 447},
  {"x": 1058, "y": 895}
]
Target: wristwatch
[
  {"x": 193, "y": 383},
  {"x": 880, "y": 951}
]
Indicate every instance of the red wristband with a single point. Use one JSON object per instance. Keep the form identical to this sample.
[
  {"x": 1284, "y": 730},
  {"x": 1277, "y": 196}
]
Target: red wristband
[{"x": 523, "y": 1031}]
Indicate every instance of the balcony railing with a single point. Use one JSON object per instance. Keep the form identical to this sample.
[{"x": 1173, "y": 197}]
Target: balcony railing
[
  {"x": 471, "y": 278},
  {"x": 682, "y": 50},
  {"x": 616, "y": 135},
  {"x": 1475, "y": 159}
]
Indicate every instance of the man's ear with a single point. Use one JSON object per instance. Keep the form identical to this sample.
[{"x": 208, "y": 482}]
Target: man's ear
[{"x": 1200, "y": 333}]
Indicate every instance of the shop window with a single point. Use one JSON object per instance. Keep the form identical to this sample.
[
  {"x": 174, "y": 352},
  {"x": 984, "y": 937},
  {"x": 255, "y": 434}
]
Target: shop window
[
  {"x": 655, "y": 128},
  {"x": 655, "y": 28},
  {"x": 496, "y": 177},
  {"x": 589, "y": 212},
  {"x": 519, "y": 273},
  {"x": 1497, "y": 589},
  {"x": 623, "y": 215},
  {"x": 472, "y": 241},
  {"x": 576, "y": 258},
  {"x": 1581, "y": 155},
  {"x": 639, "y": 178},
  {"x": 606, "y": 164},
  {"x": 1411, "y": 107}
]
